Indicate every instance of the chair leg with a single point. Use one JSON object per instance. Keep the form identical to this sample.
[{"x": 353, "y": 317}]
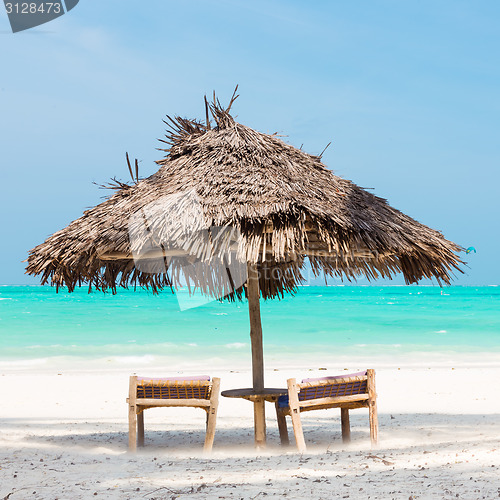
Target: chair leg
[
  {"x": 140, "y": 429},
  {"x": 372, "y": 407},
  {"x": 132, "y": 428},
  {"x": 346, "y": 427},
  {"x": 280, "y": 417},
  {"x": 293, "y": 398},
  {"x": 210, "y": 435},
  {"x": 132, "y": 414},
  {"x": 212, "y": 415}
]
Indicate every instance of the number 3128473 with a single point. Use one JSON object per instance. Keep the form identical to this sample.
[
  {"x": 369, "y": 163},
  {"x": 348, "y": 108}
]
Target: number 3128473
[{"x": 33, "y": 8}]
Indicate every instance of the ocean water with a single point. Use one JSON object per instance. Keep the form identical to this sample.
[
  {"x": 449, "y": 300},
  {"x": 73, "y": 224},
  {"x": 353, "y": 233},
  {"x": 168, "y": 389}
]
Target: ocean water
[{"x": 38, "y": 325}]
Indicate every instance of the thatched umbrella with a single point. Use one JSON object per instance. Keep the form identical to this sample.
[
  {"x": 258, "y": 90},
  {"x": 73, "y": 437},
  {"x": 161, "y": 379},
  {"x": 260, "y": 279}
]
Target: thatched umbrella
[{"x": 284, "y": 204}]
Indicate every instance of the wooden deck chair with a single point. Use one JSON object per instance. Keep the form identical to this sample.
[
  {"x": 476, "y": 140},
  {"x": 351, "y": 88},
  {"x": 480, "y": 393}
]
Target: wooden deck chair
[
  {"x": 346, "y": 392},
  {"x": 146, "y": 392}
]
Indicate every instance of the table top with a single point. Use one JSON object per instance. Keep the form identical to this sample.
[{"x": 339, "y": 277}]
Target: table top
[{"x": 269, "y": 394}]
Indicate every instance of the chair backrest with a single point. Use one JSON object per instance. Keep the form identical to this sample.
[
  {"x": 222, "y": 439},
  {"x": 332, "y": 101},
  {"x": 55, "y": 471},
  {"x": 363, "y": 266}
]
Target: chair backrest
[
  {"x": 333, "y": 387},
  {"x": 174, "y": 388}
]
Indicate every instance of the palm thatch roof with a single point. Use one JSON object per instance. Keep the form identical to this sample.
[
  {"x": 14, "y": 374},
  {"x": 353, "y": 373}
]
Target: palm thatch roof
[{"x": 285, "y": 204}]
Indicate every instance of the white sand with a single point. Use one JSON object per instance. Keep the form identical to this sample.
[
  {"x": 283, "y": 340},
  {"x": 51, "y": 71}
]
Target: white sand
[{"x": 65, "y": 436}]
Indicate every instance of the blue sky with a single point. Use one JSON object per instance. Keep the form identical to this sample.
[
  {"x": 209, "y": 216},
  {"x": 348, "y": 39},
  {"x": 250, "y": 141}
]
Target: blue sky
[{"x": 408, "y": 93}]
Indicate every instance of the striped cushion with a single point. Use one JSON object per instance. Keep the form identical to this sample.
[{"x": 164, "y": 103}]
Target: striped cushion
[
  {"x": 173, "y": 379},
  {"x": 332, "y": 390},
  {"x": 173, "y": 388},
  {"x": 336, "y": 377}
]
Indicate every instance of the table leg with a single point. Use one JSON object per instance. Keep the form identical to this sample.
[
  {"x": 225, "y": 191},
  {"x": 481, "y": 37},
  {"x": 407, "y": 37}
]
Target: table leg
[
  {"x": 259, "y": 414},
  {"x": 280, "y": 416}
]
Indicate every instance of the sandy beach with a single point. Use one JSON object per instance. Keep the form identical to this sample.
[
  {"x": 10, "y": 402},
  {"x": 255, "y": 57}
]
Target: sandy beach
[{"x": 63, "y": 434}]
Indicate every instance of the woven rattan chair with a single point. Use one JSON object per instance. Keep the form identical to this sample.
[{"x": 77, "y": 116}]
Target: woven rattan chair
[
  {"x": 346, "y": 392},
  {"x": 196, "y": 392}
]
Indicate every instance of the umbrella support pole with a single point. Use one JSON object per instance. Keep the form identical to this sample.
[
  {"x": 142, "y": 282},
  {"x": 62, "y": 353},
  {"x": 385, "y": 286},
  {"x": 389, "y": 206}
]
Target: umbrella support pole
[
  {"x": 259, "y": 415},
  {"x": 257, "y": 353}
]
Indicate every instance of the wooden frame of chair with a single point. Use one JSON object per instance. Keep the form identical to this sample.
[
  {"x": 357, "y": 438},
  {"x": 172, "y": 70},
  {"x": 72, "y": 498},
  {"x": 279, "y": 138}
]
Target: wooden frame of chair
[
  {"x": 176, "y": 392},
  {"x": 298, "y": 404}
]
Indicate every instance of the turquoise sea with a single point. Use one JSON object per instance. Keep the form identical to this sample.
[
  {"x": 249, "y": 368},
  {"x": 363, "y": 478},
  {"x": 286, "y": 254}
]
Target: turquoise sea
[{"x": 36, "y": 323}]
